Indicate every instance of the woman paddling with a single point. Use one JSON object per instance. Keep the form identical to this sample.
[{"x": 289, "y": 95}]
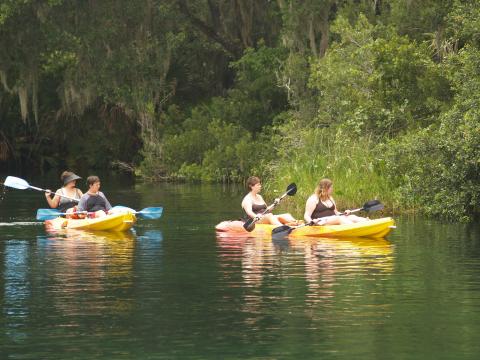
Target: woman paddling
[
  {"x": 94, "y": 201},
  {"x": 321, "y": 208},
  {"x": 253, "y": 205},
  {"x": 69, "y": 189}
]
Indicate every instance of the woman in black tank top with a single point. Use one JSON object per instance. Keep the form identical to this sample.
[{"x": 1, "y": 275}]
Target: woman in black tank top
[
  {"x": 253, "y": 205},
  {"x": 321, "y": 207}
]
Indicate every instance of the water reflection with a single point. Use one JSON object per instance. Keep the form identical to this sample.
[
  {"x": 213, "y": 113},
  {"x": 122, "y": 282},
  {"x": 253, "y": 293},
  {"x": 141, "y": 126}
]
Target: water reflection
[
  {"x": 305, "y": 271},
  {"x": 78, "y": 276},
  {"x": 72, "y": 259},
  {"x": 16, "y": 289},
  {"x": 257, "y": 254}
]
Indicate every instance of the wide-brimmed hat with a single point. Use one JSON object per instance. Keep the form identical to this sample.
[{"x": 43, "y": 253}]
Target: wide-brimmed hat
[{"x": 70, "y": 178}]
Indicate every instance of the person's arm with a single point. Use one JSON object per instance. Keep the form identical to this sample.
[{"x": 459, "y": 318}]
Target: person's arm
[
  {"x": 82, "y": 204},
  {"x": 52, "y": 202},
  {"x": 107, "y": 203},
  {"x": 335, "y": 207},
  {"x": 247, "y": 206},
  {"x": 309, "y": 208}
]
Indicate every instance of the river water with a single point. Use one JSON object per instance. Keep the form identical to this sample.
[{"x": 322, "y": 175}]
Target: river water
[{"x": 172, "y": 290}]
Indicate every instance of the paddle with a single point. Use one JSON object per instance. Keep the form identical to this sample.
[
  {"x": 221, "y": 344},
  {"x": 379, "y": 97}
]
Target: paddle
[
  {"x": 48, "y": 214},
  {"x": 150, "y": 213},
  {"x": 17, "y": 183},
  {"x": 284, "y": 230},
  {"x": 250, "y": 223},
  {"x": 147, "y": 213},
  {"x": 372, "y": 205}
]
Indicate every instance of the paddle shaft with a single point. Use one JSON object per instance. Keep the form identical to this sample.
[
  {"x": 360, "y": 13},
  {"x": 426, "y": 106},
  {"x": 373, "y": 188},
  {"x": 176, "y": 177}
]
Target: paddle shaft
[
  {"x": 270, "y": 207},
  {"x": 285, "y": 229},
  {"x": 351, "y": 211},
  {"x": 325, "y": 217},
  {"x": 275, "y": 203},
  {"x": 21, "y": 184},
  {"x": 367, "y": 207},
  {"x": 74, "y": 212},
  {"x": 300, "y": 226},
  {"x": 56, "y": 194},
  {"x": 85, "y": 212},
  {"x": 147, "y": 213}
]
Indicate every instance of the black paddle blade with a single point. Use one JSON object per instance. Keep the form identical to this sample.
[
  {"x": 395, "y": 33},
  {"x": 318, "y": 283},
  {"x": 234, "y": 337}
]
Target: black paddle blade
[
  {"x": 281, "y": 232},
  {"x": 283, "y": 228},
  {"x": 370, "y": 203},
  {"x": 375, "y": 207},
  {"x": 291, "y": 189},
  {"x": 249, "y": 225}
]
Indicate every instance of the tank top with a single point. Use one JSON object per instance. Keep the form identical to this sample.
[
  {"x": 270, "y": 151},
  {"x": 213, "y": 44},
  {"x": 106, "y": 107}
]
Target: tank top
[
  {"x": 321, "y": 210},
  {"x": 64, "y": 204},
  {"x": 258, "y": 209}
]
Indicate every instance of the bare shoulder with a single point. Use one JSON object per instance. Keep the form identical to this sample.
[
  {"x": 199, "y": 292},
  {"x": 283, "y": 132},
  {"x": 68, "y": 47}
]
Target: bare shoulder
[
  {"x": 313, "y": 199},
  {"x": 247, "y": 199}
]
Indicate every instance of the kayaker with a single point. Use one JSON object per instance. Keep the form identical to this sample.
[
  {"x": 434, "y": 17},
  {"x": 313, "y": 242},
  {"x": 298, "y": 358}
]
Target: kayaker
[
  {"x": 69, "y": 180},
  {"x": 253, "y": 205},
  {"x": 94, "y": 201},
  {"x": 321, "y": 207}
]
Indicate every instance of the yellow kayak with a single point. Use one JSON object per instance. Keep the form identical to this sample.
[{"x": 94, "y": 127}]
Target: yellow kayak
[
  {"x": 378, "y": 228},
  {"x": 114, "y": 222}
]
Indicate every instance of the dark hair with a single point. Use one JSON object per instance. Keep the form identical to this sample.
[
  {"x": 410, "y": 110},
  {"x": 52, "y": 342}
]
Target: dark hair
[
  {"x": 252, "y": 181},
  {"x": 92, "y": 179}
]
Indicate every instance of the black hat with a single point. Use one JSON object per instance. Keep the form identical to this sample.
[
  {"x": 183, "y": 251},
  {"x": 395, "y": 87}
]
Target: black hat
[{"x": 70, "y": 178}]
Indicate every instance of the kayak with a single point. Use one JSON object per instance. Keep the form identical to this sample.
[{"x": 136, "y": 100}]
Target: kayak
[
  {"x": 378, "y": 228},
  {"x": 114, "y": 222}
]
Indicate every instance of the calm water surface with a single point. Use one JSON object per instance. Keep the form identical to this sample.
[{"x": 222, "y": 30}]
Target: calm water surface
[{"x": 172, "y": 290}]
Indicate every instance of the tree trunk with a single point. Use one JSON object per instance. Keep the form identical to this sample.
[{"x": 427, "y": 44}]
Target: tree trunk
[
  {"x": 311, "y": 36},
  {"x": 245, "y": 9},
  {"x": 325, "y": 30}
]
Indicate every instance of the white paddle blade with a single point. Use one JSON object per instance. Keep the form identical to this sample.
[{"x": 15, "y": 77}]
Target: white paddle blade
[{"x": 16, "y": 183}]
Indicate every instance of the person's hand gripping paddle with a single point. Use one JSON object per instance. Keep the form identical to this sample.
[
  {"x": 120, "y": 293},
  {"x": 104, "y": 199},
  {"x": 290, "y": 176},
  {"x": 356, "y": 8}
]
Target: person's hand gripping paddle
[{"x": 250, "y": 223}]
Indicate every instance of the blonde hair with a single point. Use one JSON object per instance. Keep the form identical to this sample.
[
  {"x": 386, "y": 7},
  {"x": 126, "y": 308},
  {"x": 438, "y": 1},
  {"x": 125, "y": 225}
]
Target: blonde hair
[{"x": 322, "y": 189}]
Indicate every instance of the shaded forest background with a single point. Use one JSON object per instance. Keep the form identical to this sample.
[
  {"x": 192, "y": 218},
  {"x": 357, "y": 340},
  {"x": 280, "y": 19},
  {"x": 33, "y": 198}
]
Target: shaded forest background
[{"x": 381, "y": 96}]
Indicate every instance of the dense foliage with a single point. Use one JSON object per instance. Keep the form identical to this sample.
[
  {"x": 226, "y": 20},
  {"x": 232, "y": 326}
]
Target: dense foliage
[{"x": 380, "y": 96}]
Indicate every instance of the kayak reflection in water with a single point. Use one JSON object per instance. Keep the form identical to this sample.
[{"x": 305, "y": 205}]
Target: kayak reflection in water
[
  {"x": 69, "y": 189},
  {"x": 94, "y": 201},
  {"x": 253, "y": 205},
  {"x": 321, "y": 207}
]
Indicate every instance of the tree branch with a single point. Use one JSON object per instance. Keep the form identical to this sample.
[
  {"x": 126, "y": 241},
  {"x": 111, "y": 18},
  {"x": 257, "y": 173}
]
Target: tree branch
[{"x": 210, "y": 32}]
